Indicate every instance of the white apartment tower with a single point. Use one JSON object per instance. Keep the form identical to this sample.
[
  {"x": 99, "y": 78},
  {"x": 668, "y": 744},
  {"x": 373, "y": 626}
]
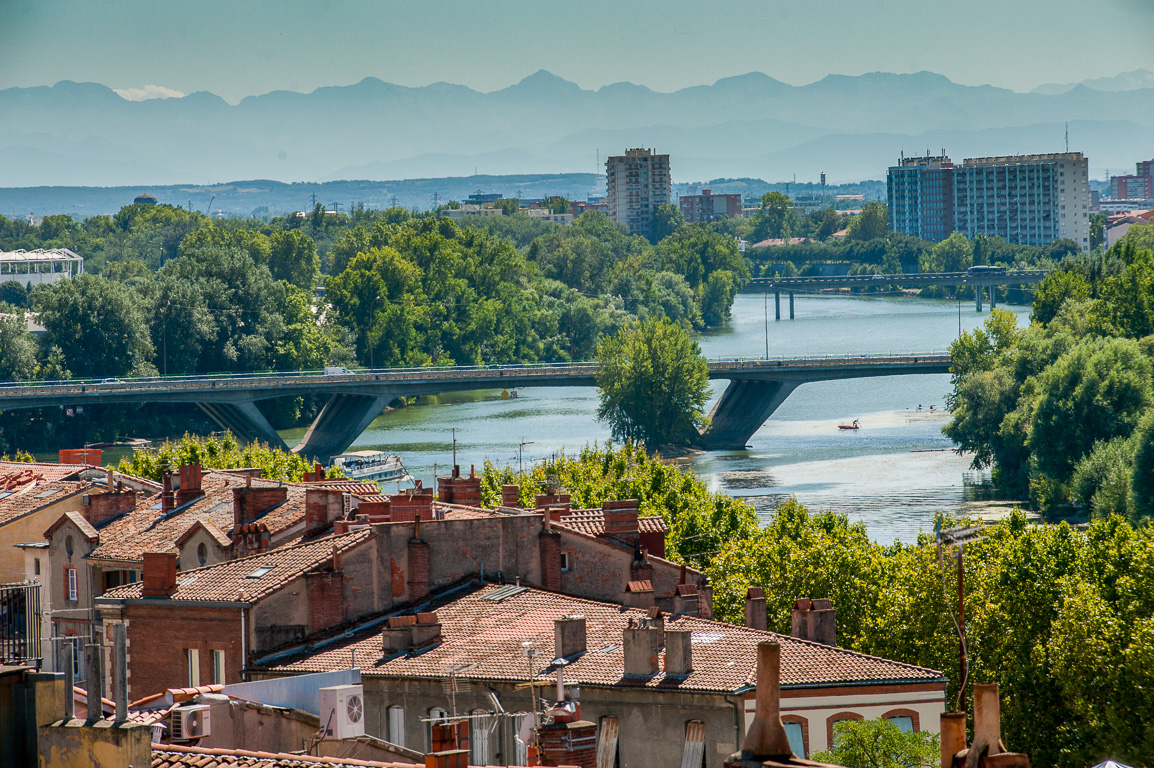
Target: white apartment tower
[
  {"x": 1025, "y": 199},
  {"x": 636, "y": 183}
]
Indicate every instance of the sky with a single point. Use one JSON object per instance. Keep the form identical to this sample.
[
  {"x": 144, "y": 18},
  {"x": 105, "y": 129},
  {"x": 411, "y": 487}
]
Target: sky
[{"x": 244, "y": 47}]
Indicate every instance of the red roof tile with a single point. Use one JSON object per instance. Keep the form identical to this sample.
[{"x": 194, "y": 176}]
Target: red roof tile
[
  {"x": 592, "y": 522},
  {"x": 174, "y": 756},
  {"x": 235, "y": 580},
  {"x": 47, "y": 471},
  {"x": 24, "y": 498},
  {"x": 486, "y": 636}
]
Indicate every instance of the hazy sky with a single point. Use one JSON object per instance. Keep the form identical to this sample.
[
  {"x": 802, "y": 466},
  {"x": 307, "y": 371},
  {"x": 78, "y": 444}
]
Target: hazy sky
[{"x": 241, "y": 47}]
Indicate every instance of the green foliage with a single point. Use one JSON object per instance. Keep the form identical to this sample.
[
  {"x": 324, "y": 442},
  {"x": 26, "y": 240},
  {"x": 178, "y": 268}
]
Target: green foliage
[
  {"x": 773, "y": 217},
  {"x": 13, "y": 293},
  {"x": 879, "y": 744},
  {"x": 667, "y": 219},
  {"x": 954, "y": 254},
  {"x": 214, "y": 452},
  {"x": 23, "y": 457},
  {"x": 871, "y": 224},
  {"x": 700, "y": 521},
  {"x": 17, "y": 349},
  {"x": 293, "y": 258},
  {"x": 98, "y": 324},
  {"x": 1054, "y": 290},
  {"x": 653, "y": 384}
]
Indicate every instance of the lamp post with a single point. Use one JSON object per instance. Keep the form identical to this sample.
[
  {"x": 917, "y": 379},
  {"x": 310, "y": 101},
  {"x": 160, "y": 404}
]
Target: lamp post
[{"x": 372, "y": 322}]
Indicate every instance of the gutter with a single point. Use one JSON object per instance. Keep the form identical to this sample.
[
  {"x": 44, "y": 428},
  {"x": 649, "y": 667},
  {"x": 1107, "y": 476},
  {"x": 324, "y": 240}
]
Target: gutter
[{"x": 122, "y": 601}]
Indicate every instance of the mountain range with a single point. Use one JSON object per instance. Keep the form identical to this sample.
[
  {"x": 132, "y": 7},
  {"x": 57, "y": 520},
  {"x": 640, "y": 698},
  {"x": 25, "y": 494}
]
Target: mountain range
[{"x": 851, "y": 127}]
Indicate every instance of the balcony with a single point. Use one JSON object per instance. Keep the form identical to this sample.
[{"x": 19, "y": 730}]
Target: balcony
[{"x": 20, "y": 624}]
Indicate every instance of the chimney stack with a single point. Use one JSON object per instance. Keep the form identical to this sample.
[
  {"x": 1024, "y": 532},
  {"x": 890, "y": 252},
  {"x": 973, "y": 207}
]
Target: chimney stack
[
  {"x": 953, "y": 730},
  {"x": 251, "y": 502},
  {"x": 167, "y": 496},
  {"x": 190, "y": 484},
  {"x": 639, "y": 594},
  {"x": 568, "y": 636},
  {"x": 639, "y": 642},
  {"x": 621, "y": 519},
  {"x": 419, "y": 563},
  {"x": 510, "y": 495},
  {"x": 159, "y": 574},
  {"x": 678, "y": 652},
  {"x": 549, "y": 543},
  {"x": 755, "y": 616},
  {"x": 814, "y": 620},
  {"x": 102, "y": 507},
  {"x": 685, "y": 602},
  {"x": 766, "y": 738}
]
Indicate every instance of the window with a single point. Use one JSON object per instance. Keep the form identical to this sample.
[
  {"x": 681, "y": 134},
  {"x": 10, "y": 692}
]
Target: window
[
  {"x": 36, "y": 566},
  {"x": 905, "y": 723},
  {"x": 77, "y": 644},
  {"x": 192, "y": 658},
  {"x": 436, "y": 714},
  {"x": 564, "y": 561},
  {"x": 71, "y": 587},
  {"x": 796, "y": 734},
  {"x": 259, "y": 572},
  {"x": 218, "y": 667},
  {"x": 693, "y": 754},
  {"x": 202, "y": 553},
  {"x": 607, "y": 743},
  {"x": 68, "y": 547},
  {"x": 479, "y": 729},
  {"x": 396, "y": 725}
]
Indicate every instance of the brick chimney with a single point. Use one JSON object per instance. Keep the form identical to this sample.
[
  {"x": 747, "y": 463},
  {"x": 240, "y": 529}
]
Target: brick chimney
[
  {"x": 450, "y": 735},
  {"x": 326, "y": 599},
  {"x": 418, "y": 563},
  {"x": 568, "y": 742},
  {"x": 510, "y": 495},
  {"x": 190, "y": 484},
  {"x": 549, "y": 543},
  {"x": 397, "y": 636},
  {"x": 685, "y": 600},
  {"x": 814, "y": 620},
  {"x": 251, "y": 502},
  {"x": 427, "y": 630},
  {"x": 102, "y": 507},
  {"x": 460, "y": 490},
  {"x": 568, "y": 636},
  {"x": 766, "y": 739},
  {"x": 678, "y": 652},
  {"x": 621, "y": 519},
  {"x": 755, "y": 614},
  {"x": 639, "y": 594},
  {"x": 167, "y": 496},
  {"x": 405, "y": 506},
  {"x": 553, "y": 500},
  {"x": 322, "y": 507},
  {"x": 639, "y": 643},
  {"x": 159, "y": 574}
]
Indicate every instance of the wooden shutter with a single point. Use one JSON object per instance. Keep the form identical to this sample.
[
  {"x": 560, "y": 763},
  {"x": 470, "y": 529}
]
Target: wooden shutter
[
  {"x": 607, "y": 743},
  {"x": 694, "y": 754}
]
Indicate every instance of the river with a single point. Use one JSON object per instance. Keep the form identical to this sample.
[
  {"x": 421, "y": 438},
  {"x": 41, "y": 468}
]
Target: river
[{"x": 893, "y": 474}]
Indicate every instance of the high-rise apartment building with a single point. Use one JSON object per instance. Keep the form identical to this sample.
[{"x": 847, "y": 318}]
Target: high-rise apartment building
[
  {"x": 1138, "y": 186},
  {"x": 636, "y": 183},
  {"x": 920, "y": 192},
  {"x": 1023, "y": 199},
  {"x": 709, "y": 207}
]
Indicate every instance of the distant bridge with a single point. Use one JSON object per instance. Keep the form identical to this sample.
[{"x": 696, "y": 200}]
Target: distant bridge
[
  {"x": 979, "y": 280},
  {"x": 757, "y": 387}
]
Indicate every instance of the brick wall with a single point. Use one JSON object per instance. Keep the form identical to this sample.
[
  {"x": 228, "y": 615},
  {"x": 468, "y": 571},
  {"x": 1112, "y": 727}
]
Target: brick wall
[
  {"x": 250, "y": 502},
  {"x": 326, "y": 601},
  {"x": 418, "y": 569},
  {"x": 550, "y": 560},
  {"x": 105, "y": 506}
]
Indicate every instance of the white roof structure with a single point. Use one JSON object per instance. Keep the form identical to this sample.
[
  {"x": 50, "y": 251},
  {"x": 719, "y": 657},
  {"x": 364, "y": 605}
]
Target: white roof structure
[{"x": 40, "y": 266}]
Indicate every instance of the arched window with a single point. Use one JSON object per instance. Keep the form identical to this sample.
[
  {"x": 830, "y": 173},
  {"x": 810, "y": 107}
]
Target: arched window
[
  {"x": 797, "y": 729},
  {"x": 202, "y": 553},
  {"x": 396, "y": 725},
  {"x": 906, "y": 720},
  {"x": 833, "y": 720}
]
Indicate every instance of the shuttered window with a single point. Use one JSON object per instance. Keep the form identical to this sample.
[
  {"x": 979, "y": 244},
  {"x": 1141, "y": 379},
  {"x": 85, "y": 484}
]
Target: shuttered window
[
  {"x": 796, "y": 738},
  {"x": 607, "y": 743},
  {"x": 396, "y": 716},
  {"x": 693, "y": 755}
]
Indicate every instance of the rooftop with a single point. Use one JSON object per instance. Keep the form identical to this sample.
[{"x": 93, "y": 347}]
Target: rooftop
[
  {"x": 249, "y": 578},
  {"x": 592, "y": 522},
  {"x": 40, "y": 255},
  {"x": 22, "y": 494},
  {"x": 173, "y": 756},
  {"x": 483, "y": 631}
]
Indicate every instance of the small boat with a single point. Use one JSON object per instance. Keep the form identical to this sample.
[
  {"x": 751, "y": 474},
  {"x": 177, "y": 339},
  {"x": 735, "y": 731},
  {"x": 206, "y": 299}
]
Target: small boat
[
  {"x": 374, "y": 466},
  {"x": 855, "y": 425}
]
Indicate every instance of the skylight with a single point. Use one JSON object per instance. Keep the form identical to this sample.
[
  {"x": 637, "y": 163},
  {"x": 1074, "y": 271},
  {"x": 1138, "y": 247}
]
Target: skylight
[
  {"x": 259, "y": 572},
  {"x": 49, "y": 492}
]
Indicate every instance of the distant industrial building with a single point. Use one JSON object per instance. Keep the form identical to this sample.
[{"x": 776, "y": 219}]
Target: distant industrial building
[
  {"x": 636, "y": 183},
  {"x": 39, "y": 266},
  {"x": 707, "y": 206},
  {"x": 1024, "y": 199}
]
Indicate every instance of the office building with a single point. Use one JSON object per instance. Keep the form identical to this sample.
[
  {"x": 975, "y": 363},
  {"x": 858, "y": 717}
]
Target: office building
[
  {"x": 1023, "y": 199},
  {"x": 636, "y": 183}
]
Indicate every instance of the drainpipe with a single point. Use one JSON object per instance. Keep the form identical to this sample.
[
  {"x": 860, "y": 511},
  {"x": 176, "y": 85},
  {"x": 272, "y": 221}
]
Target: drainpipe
[
  {"x": 243, "y": 641},
  {"x": 738, "y": 707}
]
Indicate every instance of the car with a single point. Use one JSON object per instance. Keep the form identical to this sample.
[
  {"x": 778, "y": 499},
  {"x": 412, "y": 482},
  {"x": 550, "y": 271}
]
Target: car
[
  {"x": 878, "y": 277},
  {"x": 111, "y": 381}
]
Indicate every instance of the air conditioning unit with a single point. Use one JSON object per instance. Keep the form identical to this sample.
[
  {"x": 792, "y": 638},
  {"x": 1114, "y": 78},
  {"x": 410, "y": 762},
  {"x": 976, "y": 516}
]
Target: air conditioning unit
[
  {"x": 342, "y": 710},
  {"x": 190, "y": 723}
]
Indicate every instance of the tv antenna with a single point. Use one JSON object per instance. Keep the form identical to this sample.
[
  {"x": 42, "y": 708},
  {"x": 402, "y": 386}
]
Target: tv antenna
[{"x": 1067, "y": 136}]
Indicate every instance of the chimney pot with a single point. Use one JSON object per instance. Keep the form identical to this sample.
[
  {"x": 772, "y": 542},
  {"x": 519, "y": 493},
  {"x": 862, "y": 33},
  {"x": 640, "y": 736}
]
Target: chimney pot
[
  {"x": 953, "y": 730},
  {"x": 766, "y": 738},
  {"x": 814, "y": 620},
  {"x": 755, "y": 612}
]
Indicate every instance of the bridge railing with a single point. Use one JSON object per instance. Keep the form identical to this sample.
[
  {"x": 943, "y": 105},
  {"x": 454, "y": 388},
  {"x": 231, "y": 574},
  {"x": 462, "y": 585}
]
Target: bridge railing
[{"x": 271, "y": 379}]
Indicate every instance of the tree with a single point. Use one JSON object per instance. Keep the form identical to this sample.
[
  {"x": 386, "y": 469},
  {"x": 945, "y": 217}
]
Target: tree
[
  {"x": 17, "y": 349},
  {"x": 14, "y": 293},
  {"x": 872, "y": 223},
  {"x": 213, "y": 452},
  {"x": 772, "y": 217},
  {"x": 1054, "y": 290},
  {"x": 717, "y": 297},
  {"x": 97, "y": 323},
  {"x": 880, "y": 744},
  {"x": 667, "y": 219},
  {"x": 293, "y": 258},
  {"x": 954, "y": 254},
  {"x": 653, "y": 384}
]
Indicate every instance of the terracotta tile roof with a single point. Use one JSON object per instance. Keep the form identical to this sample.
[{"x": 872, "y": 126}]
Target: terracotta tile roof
[
  {"x": 46, "y": 471},
  {"x": 486, "y": 636},
  {"x": 592, "y": 522},
  {"x": 234, "y": 580},
  {"x": 85, "y": 527},
  {"x": 174, "y": 756},
  {"x": 146, "y": 529},
  {"x": 35, "y": 493}
]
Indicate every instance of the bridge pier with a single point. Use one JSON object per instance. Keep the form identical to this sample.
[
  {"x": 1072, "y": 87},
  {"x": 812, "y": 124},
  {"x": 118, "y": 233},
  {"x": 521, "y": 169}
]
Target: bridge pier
[
  {"x": 993, "y": 297},
  {"x": 741, "y": 410},
  {"x": 791, "y": 305},
  {"x": 244, "y": 420},
  {"x": 339, "y": 423},
  {"x": 776, "y": 305},
  {"x": 978, "y": 298}
]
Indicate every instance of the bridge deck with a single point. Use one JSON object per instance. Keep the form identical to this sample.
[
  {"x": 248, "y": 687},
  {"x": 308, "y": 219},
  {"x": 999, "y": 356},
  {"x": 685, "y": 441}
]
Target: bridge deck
[{"x": 1010, "y": 277}]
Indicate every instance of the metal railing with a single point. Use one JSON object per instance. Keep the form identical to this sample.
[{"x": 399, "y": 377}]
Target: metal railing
[{"x": 20, "y": 624}]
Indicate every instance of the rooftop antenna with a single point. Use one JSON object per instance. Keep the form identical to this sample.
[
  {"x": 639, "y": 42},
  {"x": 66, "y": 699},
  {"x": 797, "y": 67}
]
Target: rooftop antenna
[{"x": 1067, "y": 136}]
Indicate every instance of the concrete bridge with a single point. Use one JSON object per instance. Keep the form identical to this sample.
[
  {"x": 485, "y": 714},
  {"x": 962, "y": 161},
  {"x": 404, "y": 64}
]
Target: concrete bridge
[
  {"x": 756, "y": 389},
  {"x": 978, "y": 280}
]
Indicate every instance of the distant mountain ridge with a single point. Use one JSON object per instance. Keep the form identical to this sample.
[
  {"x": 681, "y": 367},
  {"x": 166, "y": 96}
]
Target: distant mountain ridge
[{"x": 851, "y": 127}]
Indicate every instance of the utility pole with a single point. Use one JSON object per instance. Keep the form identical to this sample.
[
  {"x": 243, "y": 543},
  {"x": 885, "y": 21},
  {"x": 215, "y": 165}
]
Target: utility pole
[
  {"x": 520, "y": 461},
  {"x": 961, "y": 629},
  {"x": 765, "y": 304}
]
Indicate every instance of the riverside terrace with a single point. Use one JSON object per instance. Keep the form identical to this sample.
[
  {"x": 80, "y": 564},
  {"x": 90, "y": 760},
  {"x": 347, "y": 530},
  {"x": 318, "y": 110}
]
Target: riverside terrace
[
  {"x": 757, "y": 387},
  {"x": 978, "y": 278}
]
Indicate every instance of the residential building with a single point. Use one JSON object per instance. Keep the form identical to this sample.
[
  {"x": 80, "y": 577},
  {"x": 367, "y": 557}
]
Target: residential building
[
  {"x": 653, "y": 685},
  {"x": 578, "y": 207},
  {"x": 39, "y": 267},
  {"x": 1119, "y": 224},
  {"x": 32, "y": 497},
  {"x": 920, "y": 192},
  {"x": 707, "y": 206},
  {"x": 1024, "y": 199},
  {"x": 1136, "y": 186},
  {"x": 636, "y": 183},
  {"x": 469, "y": 209}
]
